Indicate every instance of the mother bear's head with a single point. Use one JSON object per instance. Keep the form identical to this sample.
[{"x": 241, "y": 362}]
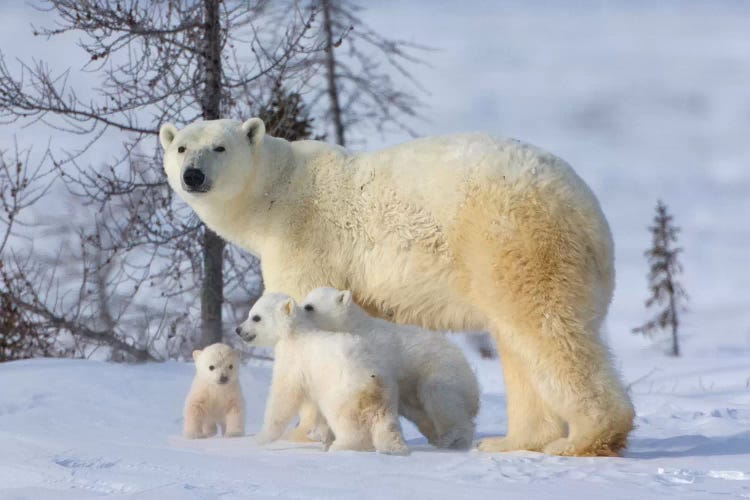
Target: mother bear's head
[{"x": 211, "y": 158}]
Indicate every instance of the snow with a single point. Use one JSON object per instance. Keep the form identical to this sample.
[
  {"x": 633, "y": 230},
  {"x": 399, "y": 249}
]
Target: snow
[
  {"x": 78, "y": 428},
  {"x": 645, "y": 100}
]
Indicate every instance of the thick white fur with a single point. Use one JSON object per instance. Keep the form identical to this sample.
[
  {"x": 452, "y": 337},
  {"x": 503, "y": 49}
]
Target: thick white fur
[
  {"x": 456, "y": 232},
  {"x": 215, "y": 398},
  {"x": 438, "y": 391},
  {"x": 350, "y": 381}
]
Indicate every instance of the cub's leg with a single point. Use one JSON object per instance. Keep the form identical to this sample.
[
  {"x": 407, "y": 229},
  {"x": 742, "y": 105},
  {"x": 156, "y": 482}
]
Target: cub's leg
[
  {"x": 419, "y": 417},
  {"x": 194, "y": 417},
  {"x": 350, "y": 433},
  {"x": 283, "y": 404},
  {"x": 449, "y": 408},
  {"x": 308, "y": 416},
  {"x": 386, "y": 434},
  {"x": 235, "y": 421},
  {"x": 209, "y": 428}
]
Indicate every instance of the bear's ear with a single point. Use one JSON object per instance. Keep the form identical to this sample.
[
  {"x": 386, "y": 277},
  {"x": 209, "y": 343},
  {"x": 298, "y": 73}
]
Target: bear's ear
[
  {"x": 167, "y": 133},
  {"x": 196, "y": 354},
  {"x": 344, "y": 298},
  {"x": 287, "y": 307},
  {"x": 254, "y": 129}
]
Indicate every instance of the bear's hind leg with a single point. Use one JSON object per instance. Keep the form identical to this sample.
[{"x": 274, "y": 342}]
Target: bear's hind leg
[
  {"x": 447, "y": 409},
  {"x": 386, "y": 434},
  {"x": 419, "y": 418},
  {"x": 574, "y": 377},
  {"x": 350, "y": 434},
  {"x": 531, "y": 423}
]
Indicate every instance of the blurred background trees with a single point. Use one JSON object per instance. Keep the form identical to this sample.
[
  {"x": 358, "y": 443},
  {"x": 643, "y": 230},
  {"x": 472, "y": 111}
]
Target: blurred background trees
[{"x": 115, "y": 261}]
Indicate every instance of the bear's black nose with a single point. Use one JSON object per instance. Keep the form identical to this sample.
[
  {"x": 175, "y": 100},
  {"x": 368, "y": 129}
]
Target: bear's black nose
[
  {"x": 193, "y": 178},
  {"x": 223, "y": 379},
  {"x": 238, "y": 330}
]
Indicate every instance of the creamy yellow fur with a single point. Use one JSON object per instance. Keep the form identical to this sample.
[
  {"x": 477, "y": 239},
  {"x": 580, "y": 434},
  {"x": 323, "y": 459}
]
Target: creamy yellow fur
[
  {"x": 457, "y": 232},
  {"x": 215, "y": 397}
]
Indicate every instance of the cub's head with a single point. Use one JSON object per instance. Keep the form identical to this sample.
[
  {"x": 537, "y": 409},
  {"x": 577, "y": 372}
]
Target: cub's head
[
  {"x": 329, "y": 308},
  {"x": 271, "y": 318},
  {"x": 211, "y": 158},
  {"x": 217, "y": 364}
]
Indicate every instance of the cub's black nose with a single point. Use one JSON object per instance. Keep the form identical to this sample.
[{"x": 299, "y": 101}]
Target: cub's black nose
[
  {"x": 223, "y": 379},
  {"x": 193, "y": 178},
  {"x": 238, "y": 330}
]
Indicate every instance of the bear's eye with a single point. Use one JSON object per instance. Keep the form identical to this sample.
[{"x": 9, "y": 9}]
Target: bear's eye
[
  {"x": 309, "y": 307},
  {"x": 255, "y": 318},
  {"x": 231, "y": 366},
  {"x": 211, "y": 367},
  {"x": 181, "y": 149},
  {"x": 219, "y": 149}
]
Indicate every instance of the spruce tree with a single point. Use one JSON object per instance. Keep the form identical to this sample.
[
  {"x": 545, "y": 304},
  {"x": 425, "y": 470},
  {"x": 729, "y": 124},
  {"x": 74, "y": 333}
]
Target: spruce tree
[{"x": 666, "y": 292}]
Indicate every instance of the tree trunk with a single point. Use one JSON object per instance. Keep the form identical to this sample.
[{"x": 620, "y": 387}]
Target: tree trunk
[
  {"x": 212, "y": 288},
  {"x": 333, "y": 93},
  {"x": 673, "y": 309},
  {"x": 673, "y": 313}
]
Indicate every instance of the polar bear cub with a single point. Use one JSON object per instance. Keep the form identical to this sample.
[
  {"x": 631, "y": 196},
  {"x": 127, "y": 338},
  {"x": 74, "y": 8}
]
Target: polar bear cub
[
  {"x": 348, "y": 380},
  {"x": 438, "y": 390},
  {"x": 215, "y": 398}
]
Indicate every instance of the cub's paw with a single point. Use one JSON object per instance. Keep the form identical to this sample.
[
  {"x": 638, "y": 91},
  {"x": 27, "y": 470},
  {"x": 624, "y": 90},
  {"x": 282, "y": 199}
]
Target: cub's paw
[
  {"x": 398, "y": 449},
  {"x": 455, "y": 440},
  {"x": 301, "y": 435},
  {"x": 498, "y": 445},
  {"x": 562, "y": 446},
  {"x": 263, "y": 437}
]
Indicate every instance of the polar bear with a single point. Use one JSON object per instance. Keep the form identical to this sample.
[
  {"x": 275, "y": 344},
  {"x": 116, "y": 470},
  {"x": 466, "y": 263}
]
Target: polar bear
[
  {"x": 461, "y": 232},
  {"x": 349, "y": 380},
  {"x": 438, "y": 390},
  {"x": 215, "y": 398}
]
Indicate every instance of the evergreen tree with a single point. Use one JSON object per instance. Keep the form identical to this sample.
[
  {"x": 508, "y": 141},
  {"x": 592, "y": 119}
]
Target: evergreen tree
[
  {"x": 662, "y": 277},
  {"x": 286, "y": 115}
]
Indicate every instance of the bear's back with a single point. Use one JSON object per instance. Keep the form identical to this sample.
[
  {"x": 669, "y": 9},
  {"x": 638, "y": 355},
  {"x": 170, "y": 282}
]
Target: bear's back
[{"x": 437, "y": 173}]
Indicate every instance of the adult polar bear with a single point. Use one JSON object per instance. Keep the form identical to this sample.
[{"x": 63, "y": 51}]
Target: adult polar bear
[{"x": 458, "y": 232}]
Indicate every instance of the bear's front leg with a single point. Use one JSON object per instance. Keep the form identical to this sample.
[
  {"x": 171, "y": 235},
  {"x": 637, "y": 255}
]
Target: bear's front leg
[
  {"x": 194, "y": 418},
  {"x": 235, "y": 421},
  {"x": 308, "y": 415},
  {"x": 209, "y": 428},
  {"x": 323, "y": 431},
  {"x": 283, "y": 404}
]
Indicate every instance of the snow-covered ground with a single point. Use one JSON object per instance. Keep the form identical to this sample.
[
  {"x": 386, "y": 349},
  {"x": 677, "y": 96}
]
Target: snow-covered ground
[
  {"x": 645, "y": 99},
  {"x": 75, "y": 429}
]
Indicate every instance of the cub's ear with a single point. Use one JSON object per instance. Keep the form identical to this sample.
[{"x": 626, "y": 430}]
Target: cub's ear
[
  {"x": 254, "y": 129},
  {"x": 196, "y": 354},
  {"x": 287, "y": 307},
  {"x": 167, "y": 133},
  {"x": 344, "y": 298}
]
